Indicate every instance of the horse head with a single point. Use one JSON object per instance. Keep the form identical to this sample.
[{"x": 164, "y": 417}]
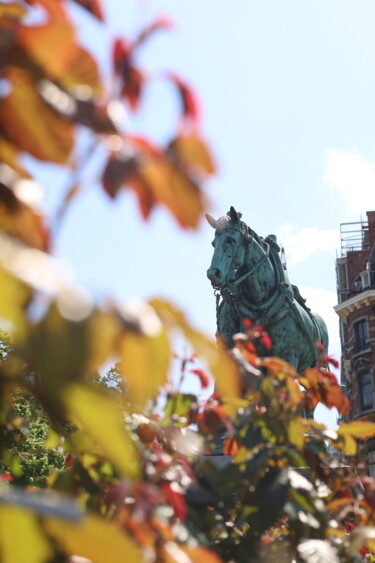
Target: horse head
[{"x": 229, "y": 248}]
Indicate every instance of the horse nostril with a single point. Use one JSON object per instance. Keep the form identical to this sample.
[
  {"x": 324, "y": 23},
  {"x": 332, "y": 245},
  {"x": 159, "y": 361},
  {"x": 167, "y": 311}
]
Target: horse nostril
[{"x": 214, "y": 274}]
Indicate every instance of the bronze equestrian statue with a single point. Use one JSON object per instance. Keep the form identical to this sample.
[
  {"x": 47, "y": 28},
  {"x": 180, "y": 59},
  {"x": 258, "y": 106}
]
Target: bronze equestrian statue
[{"x": 251, "y": 282}]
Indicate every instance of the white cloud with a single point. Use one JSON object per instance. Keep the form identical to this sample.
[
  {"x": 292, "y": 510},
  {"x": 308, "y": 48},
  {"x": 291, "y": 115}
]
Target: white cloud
[
  {"x": 322, "y": 301},
  {"x": 352, "y": 177},
  {"x": 304, "y": 243}
]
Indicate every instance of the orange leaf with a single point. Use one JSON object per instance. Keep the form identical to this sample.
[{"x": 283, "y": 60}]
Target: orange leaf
[
  {"x": 12, "y": 10},
  {"x": 9, "y": 156},
  {"x": 20, "y": 220},
  {"x": 230, "y": 446},
  {"x": 192, "y": 152},
  {"x": 30, "y": 124},
  {"x": 53, "y": 48},
  {"x": 175, "y": 190}
]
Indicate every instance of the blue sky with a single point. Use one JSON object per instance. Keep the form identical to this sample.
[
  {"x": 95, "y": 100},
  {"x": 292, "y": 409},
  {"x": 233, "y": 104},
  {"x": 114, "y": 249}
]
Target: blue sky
[{"x": 288, "y": 97}]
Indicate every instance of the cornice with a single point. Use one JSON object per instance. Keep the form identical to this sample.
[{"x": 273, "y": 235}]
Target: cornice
[{"x": 354, "y": 303}]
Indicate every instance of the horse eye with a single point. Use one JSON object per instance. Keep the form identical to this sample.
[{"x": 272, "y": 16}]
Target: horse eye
[{"x": 231, "y": 240}]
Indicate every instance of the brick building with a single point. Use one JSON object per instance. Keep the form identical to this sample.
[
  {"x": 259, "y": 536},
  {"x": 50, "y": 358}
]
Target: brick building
[{"x": 355, "y": 270}]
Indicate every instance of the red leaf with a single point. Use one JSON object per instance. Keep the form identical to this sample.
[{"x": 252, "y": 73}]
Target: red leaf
[
  {"x": 118, "y": 171},
  {"x": 189, "y": 99},
  {"x": 132, "y": 88},
  {"x": 203, "y": 377},
  {"x": 159, "y": 23},
  {"x": 120, "y": 54},
  {"x": 175, "y": 499},
  {"x": 92, "y": 6}
]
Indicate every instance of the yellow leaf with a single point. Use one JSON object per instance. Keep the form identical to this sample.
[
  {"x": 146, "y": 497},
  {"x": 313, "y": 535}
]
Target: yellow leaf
[
  {"x": 13, "y": 297},
  {"x": 99, "y": 416},
  {"x": 360, "y": 429},
  {"x": 144, "y": 364},
  {"x": 94, "y": 538},
  {"x": 346, "y": 443},
  {"x": 222, "y": 367},
  {"x": 21, "y": 538},
  {"x": 30, "y": 124},
  {"x": 103, "y": 330},
  {"x": 296, "y": 433}
]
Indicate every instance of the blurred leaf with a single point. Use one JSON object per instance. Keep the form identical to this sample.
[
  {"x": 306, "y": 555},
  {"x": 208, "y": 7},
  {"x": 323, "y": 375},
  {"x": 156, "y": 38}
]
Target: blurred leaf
[
  {"x": 100, "y": 416},
  {"x": 189, "y": 100},
  {"x": 73, "y": 109},
  {"x": 222, "y": 367},
  {"x": 191, "y": 152},
  {"x": 19, "y": 219},
  {"x": 58, "y": 351},
  {"x": 9, "y": 155},
  {"x": 346, "y": 443},
  {"x": 175, "y": 190},
  {"x": 50, "y": 45},
  {"x": 144, "y": 364},
  {"x": 103, "y": 330},
  {"x": 30, "y": 124},
  {"x": 11, "y": 10},
  {"x": 296, "y": 432},
  {"x": 179, "y": 404},
  {"x": 13, "y": 298},
  {"x": 55, "y": 10},
  {"x": 92, "y": 6},
  {"x": 96, "y": 539},
  {"x": 119, "y": 170},
  {"x": 360, "y": 429},
  {"x": 21, "y": 538}
]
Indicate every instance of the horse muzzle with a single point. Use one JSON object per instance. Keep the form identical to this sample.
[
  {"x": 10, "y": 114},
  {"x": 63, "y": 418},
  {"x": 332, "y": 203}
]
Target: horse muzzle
[{"x": 215, "y": 276}]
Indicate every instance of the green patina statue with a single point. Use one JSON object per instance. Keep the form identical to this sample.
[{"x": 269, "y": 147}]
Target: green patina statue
[{"x": 250, "y": 281}]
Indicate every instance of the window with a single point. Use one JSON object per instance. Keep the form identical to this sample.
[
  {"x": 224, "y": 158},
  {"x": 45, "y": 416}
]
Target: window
[
  {"x": 371, "y": 463},
  {"x": 365, "y": 391},
  {"x": 360, "y": 335},
  {"x": 365, "y": 278}
]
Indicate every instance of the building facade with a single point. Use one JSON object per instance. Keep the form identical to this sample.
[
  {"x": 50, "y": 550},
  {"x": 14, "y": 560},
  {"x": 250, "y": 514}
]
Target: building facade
[{"x": 355, "y": 271}]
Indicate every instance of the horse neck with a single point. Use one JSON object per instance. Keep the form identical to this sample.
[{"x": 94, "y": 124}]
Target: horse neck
[{"x": 261, "y": 284}]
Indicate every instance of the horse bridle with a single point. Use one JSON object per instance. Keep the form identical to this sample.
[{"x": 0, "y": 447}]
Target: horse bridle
[{"x": 231, "y": 285}]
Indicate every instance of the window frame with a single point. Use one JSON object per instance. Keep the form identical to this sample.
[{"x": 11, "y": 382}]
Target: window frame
[
  {"x": 360, "y": 335},
  {"x": 362, "y": 387}
]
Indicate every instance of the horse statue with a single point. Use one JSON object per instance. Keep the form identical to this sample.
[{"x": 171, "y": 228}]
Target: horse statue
[{"x": 250, "y": 281}]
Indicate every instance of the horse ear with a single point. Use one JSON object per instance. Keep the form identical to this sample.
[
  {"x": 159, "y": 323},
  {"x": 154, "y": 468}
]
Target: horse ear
[
  {"x": 234, "y": 215},
  {"x": 211, "y": 221}
]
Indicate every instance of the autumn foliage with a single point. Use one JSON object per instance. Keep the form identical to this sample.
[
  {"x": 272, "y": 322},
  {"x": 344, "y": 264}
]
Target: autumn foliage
[{"x": 136, "y": 479}]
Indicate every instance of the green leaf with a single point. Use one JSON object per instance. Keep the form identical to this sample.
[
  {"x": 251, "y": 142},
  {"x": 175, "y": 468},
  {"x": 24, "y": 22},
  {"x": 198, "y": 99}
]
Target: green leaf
[{"x": 179, "y": 404}]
